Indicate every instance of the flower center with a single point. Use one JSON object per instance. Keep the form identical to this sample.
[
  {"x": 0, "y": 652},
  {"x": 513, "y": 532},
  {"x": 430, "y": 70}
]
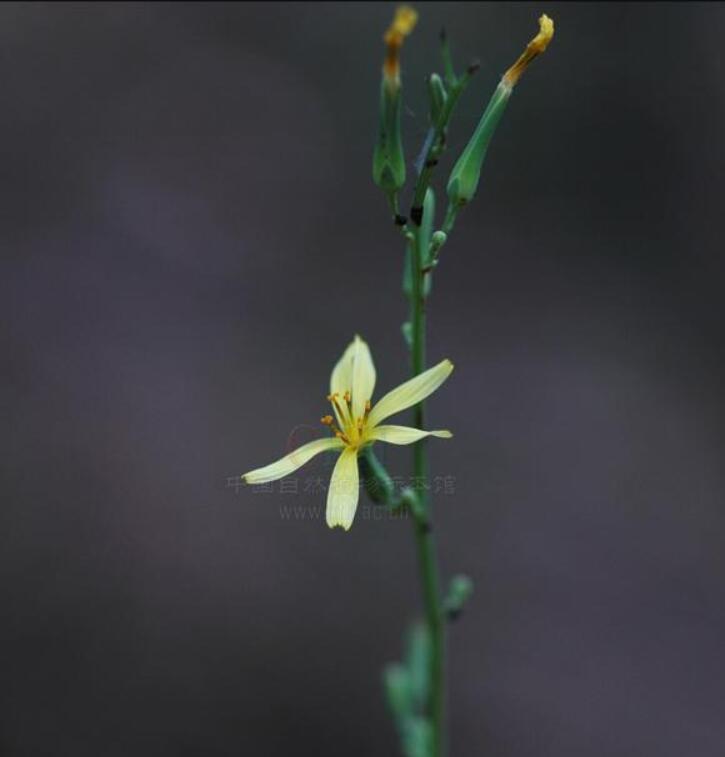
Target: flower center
[{"x": 344, "y": 425}]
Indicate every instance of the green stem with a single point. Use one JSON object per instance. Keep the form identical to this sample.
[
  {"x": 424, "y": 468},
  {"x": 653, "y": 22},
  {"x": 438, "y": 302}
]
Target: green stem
[
  {"x": 450, "y": 219},
  {"x": 425, "y": 542}
]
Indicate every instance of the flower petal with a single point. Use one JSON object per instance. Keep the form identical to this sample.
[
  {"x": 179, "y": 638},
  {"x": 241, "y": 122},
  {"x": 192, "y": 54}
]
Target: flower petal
[
  {"x": 344, "y": 491},
  {"x": 410, "y": 393},
  {"x": 404, "y": 434},
  {"x": 291, "y": 462},
  {"x": 341, "y": 378},
  {"x": 354, "y": 373},
  {"x": 363, "y": 377}
]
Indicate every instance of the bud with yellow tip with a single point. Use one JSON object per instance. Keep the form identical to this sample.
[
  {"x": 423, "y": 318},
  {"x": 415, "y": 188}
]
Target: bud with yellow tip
[
  {"x": 537, "y": 46},
  {"x": 466, "y": 173},
  {"x": 403, "y": 24},
  {"x": 388, "y": 156}
]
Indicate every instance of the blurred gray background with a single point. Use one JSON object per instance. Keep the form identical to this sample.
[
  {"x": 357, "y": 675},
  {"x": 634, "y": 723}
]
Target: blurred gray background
[{"x": 190, "y": 236}]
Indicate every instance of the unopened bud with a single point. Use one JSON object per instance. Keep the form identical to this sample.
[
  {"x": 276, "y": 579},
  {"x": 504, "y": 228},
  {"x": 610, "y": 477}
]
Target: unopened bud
[
  {"x": 403, "y": 24},
  {"x": 459, "y": 590},
  {"x": 388, "y": 157},
  {"x": 437, "y": 241},
  {"x": 438, "y": 97},
  {"x": 466, "y": 173},
  {"x": 537, "y": 46}
]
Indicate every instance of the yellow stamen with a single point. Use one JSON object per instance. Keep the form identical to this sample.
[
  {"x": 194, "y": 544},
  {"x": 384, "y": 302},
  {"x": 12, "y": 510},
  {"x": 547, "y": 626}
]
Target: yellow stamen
[
  {"x": 333, "y": 399},
  {"x": 348, "y": 398},
  {"x": 537, "y": 46},
  {"x": 329, "y": 421},
  {"x": 403, "y": 24}
]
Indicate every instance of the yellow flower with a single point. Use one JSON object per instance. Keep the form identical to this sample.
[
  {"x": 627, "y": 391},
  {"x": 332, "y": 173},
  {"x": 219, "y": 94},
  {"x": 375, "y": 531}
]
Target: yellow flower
[{"x": 357, "y": 423}]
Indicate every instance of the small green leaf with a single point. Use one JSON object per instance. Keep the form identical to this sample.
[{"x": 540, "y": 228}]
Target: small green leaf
[{"x": 407, "y": 329}]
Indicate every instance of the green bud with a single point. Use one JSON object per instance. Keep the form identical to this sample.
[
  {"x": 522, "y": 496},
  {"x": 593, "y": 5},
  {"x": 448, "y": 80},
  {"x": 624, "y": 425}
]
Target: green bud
[
  {"x": 410, "y": 499},
  {"x": 438, "y": 97},
  {"x": 388, "y": 157},
  {"x": 437, "y": 241},
  {"x": 459, "y": 590},
  {"x": 407, "y": 329},
  {"x": 424, "y": 236},
  {"x": 426, "y": 224},
  {"x": 463, "y": 181},
  {"x": 388, "y": 160}
]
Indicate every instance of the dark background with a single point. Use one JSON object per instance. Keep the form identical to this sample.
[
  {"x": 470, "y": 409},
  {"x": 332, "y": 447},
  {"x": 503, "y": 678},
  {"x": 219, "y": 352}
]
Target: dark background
[{"x": 190, "y": 236}]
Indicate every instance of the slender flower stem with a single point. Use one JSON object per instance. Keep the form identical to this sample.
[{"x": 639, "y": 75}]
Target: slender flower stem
[
  {"x": 423, "y": 246},
  {"x": 427, "y": 557},
  {"x": 425, "y": 542}
]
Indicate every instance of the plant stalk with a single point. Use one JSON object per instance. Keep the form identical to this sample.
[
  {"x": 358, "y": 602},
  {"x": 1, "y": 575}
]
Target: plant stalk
[{"x": 425, "y": 543}]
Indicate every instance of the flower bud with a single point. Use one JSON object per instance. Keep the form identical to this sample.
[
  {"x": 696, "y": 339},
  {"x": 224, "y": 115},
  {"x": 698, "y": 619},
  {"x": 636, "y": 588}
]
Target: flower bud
[
  {"x": 459, "y": 590},
  {"x": 537, "y": 46},
  {"x": 437, "y": 241},
  {"x": 388, "y": 157},
  {"x": 438, "y": 97},
  {"x": 466, "y": 173}
]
